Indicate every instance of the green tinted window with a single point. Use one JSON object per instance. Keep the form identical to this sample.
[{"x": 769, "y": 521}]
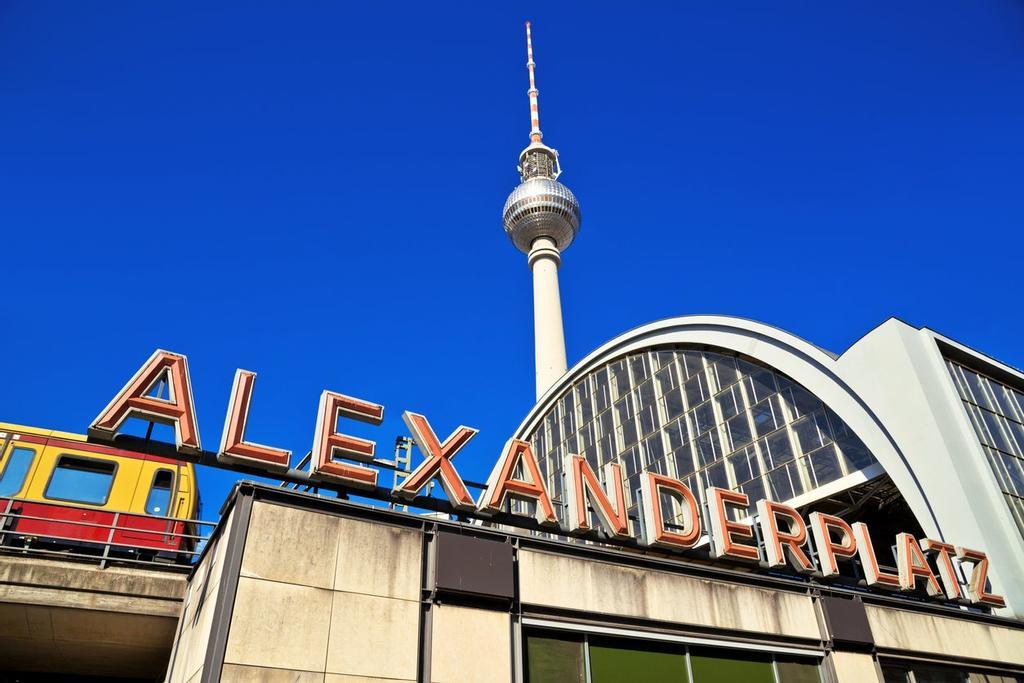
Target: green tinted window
[
  {"x": 614, "y": 661},
  {"x": 797, "y": 671},
  {"x": 730, "y": 666},
  {"x": 554, "y": 659}
]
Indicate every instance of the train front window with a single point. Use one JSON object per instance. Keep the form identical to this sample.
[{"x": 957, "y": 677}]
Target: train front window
[
  {"x": 159, "y": 500},
  {"x": 81, "y": 480},
  {"x": 15, "y": 471}
]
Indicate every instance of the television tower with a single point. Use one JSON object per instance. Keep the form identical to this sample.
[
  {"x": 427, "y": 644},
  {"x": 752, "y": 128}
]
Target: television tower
[{"x": 542, "y": 218}]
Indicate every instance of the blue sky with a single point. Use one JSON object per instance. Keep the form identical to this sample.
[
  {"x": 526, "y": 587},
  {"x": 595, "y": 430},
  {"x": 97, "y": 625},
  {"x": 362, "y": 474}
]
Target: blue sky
[{"x": 313, "y": 191}]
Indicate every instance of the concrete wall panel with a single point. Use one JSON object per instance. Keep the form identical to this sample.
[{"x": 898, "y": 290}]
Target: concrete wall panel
[
  {"x": 376, "y": 559},
  {"x": 470, "y": 646},
  {"x": 234, "y": 673},
  {"x": 343, "y": 678},
  {"x": 601, "y": 587},
  {"x": 196, "y": 619},
  {"x": 854, "y": 667},
  {"x": 279, "y": 535},
  {"x": 928, "y": 634},
  {"x": 279, "y": 625},
  {"x": 373, "y": 636}
]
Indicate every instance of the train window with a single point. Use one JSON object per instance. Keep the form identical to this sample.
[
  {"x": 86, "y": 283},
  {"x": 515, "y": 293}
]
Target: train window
[
  {"x": 159, "y": 500},
  {"x": 81, "y": 480},
  {"x": 14, "y": 473}
]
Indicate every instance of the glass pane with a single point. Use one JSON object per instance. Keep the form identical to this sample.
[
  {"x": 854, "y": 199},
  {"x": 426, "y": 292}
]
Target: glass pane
[
  {"x": 81, "y": 480},
  {"x": 765, "y": 416},
  {"x": 554, "y": 659},
  {"x": 855, "y": 453},
  {"x": 825, "y": 465},
  {"x": 615, "y": 661},
  {"x": 730, "y": 666},
  {"x": 797, "y": 671},
  {"x": 761, "y": 384},
  {"x": 14, "y": 472},
  {"x": 781, "y": 487},
  {"x": 991, "y": 678},
  {"x": 937, "y": 675},
  {"x": 674, "y": 404},
  {"x": 159, "y": 500},
  {"x": 895, "y": 674}
]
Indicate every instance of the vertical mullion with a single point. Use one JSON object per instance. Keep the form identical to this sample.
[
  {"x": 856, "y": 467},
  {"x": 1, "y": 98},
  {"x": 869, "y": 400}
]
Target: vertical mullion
[
  {"x": 586, "y": 657},
  {"x": 689, "y": 666},
  {"x": 723, "y": 433},
  {"x": 748, "y": 405},
  {"x": 687, "y": 421},
  {"x": 794, "y": 445}
]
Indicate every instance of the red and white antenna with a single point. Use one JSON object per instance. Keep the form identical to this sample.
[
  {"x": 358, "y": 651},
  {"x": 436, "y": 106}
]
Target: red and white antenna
[{"x": 535, "y": 134}]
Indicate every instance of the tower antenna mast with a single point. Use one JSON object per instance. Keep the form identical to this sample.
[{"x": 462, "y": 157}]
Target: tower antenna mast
[{"x": 535, "y": 134}]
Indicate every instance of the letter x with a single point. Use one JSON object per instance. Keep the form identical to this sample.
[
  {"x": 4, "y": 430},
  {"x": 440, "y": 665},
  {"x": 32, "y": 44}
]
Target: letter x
[{"x": 438, "y": 462}]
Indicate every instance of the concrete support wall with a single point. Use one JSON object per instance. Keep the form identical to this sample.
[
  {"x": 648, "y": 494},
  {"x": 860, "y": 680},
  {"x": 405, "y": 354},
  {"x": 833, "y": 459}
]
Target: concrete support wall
[
  {"x": 330, "y": 598},
  {"x": 196, "y": 621},
  {"x": 67, "y": 617},
  {"x": 317, "y": 597}
]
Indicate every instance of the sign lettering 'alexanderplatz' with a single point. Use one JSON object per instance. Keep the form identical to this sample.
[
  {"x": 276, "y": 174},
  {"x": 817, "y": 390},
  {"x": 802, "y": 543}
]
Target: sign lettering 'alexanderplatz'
[{"x": 777, "y": 537}]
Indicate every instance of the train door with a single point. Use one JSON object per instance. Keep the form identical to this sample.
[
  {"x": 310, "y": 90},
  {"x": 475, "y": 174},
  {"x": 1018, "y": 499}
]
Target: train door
[
  {"x": 184, "y": 502},
  {"x": 157, "y": 498},
  {"x": 187, "y": 506}
]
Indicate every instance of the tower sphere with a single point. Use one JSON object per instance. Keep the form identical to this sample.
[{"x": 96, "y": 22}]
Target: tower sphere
[{"x": 541, "y": 207}]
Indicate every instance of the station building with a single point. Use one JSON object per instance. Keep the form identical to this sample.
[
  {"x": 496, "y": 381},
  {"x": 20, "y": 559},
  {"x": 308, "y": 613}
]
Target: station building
[{"x": 906, "y": 432}]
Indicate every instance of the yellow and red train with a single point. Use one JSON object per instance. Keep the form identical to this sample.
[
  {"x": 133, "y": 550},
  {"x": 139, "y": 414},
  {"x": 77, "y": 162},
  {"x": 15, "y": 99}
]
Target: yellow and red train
[{"x": 59, "y": 490}]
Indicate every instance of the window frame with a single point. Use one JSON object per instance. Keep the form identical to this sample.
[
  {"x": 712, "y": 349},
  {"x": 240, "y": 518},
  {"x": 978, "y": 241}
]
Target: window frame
[
  {"x": 170, "y": 491},
  {"x": 10, "y": 456},
  {"x": 56, "y": 466},
  {"x": 537, "y": 626}
]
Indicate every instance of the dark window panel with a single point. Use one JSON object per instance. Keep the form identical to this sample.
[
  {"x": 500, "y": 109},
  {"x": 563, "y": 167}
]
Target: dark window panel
[
  {"x": 614, "y": 661},
  {"x": 730, "y": 666},
  {"x": 554, "y": 659}
]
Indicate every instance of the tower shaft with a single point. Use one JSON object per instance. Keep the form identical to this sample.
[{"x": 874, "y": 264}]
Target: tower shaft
[{"x": 549, "y": 338}]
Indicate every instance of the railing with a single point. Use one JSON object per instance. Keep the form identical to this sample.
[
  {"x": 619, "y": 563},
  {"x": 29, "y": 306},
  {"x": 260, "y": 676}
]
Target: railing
[{"x": 174, "y": 547}]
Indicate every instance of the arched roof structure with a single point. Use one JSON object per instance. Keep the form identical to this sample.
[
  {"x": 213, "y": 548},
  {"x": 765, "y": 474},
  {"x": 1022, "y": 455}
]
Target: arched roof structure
[{"x": 814, "y": 369}]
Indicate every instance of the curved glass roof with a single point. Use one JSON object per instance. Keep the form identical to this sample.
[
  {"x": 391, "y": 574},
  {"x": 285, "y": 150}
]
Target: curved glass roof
[{"x": 706, "y": 417}]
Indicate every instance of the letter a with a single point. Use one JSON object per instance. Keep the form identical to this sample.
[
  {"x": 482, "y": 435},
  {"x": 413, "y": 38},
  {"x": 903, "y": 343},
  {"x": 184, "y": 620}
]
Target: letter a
[
  {"x": 503, "y": 485},
  {"x": 132, "y": 401}
]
